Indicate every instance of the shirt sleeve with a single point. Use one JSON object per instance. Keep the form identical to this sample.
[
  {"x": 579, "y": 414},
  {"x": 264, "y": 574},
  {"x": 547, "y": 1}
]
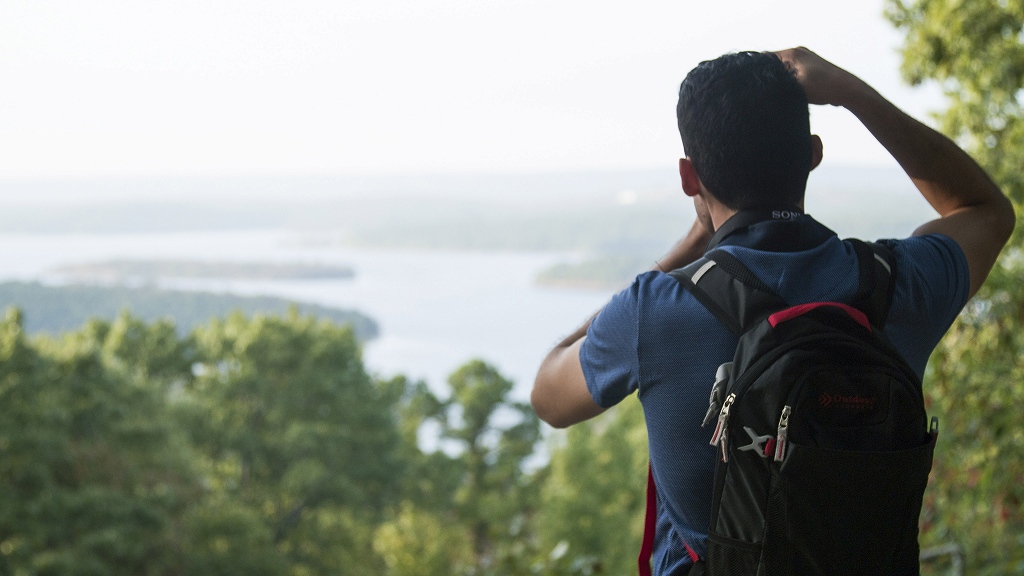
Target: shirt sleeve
[
  {"x": 933, "y": 283},
  {"x": 609, "y": 353}
]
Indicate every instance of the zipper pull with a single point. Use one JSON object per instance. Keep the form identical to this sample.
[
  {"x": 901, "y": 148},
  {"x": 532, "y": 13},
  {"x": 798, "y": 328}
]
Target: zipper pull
[
  {"x": 721, "y": 435},
  {"x": 780, "y": 437},
  {"x": 721, "y": 380}
]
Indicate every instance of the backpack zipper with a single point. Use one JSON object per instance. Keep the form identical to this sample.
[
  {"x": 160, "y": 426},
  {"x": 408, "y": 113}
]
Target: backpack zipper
[
  {"x": 721, "y": 435},
  {"x": 721, "y": 381},
  {"x": 783, "y": 432}
]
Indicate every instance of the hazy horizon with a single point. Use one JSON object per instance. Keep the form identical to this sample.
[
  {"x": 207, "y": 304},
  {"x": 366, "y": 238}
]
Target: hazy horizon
[
  {"x": 324, "y": 186},
  {"x": 526, "y": 210}
]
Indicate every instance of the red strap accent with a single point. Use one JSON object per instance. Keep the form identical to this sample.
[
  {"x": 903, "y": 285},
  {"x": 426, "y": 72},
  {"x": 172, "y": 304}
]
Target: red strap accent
[
  {"x": 693, "y": 555},
  {"x": 790, "y": 313},
  {"x": 650, "y": 522}
]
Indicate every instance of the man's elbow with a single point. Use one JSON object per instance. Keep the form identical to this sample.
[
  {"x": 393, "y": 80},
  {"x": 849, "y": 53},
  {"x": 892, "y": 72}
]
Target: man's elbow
[
  {"x": 1007, "y": 219},
  {"x": 545, "y": 407},
  {"x": 560, "y": 395},
  {"x": 1010, "y": 219}
]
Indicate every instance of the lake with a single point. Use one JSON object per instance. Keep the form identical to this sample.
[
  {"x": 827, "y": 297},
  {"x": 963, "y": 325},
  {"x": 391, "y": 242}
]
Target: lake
[{"x": 435, "y": 309}]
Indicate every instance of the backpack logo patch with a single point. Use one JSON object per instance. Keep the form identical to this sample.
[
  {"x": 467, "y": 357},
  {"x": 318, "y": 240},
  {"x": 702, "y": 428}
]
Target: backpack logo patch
[{"x": 848, "y": 402}]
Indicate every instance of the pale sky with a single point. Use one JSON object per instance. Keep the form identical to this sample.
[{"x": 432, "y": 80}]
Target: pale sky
[{"x": 126, "y": 88}]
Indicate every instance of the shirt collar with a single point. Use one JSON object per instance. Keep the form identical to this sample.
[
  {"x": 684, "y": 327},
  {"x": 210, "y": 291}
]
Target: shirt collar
[{"x": 782, "y": 230}]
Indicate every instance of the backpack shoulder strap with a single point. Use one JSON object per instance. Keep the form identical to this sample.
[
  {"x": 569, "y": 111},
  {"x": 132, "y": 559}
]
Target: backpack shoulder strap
[
  {"x": 739, "y": 299},
  {"x": 729, "y": 290},
  {"x": 877, "y": 280}
]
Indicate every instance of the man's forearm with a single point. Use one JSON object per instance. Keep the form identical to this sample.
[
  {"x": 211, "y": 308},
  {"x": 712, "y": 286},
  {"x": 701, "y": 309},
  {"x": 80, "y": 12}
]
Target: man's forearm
[
  {"x": 947, "y": 177},
  {"x": 973, "y": 212}
]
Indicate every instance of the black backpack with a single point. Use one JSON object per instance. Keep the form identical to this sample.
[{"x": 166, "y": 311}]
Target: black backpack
[{"x": 824, "y": 447}]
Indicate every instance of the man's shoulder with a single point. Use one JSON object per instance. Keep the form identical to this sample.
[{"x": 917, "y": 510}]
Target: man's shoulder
[
  {"x": 655, "y": 286},
  {"x": 935, "y": 240},
  {"x": 932, "y": 286},
  {"x": 929, "y": 254},
  {"x": 654, "y": 299}
]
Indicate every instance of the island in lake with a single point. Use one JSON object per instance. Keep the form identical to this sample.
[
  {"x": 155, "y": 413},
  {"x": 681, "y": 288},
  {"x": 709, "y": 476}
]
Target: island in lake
[
  {"x": 56, "y": 309},
  {"x": 607, "y": 272}
]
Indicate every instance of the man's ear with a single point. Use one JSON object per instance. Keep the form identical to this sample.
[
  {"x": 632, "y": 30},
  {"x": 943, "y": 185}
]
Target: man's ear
[
  {"x": 816, "y": 151},
  {"x": 688, "y": 176}
]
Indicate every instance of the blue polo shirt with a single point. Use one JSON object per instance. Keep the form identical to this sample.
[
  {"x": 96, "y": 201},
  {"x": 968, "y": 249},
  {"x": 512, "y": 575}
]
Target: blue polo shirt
[{"x": 656, "y": 339}]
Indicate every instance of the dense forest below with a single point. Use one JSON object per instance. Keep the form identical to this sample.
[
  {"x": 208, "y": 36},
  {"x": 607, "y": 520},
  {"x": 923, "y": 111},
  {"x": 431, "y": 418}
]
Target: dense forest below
[{"x": 260, "y": 446}]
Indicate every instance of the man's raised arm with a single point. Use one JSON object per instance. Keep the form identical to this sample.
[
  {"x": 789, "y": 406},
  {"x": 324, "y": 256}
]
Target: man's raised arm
[{"x": 972, "y": 210}]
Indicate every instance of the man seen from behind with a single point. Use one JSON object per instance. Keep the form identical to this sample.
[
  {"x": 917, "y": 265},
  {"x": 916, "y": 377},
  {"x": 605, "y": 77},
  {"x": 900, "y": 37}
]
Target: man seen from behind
[{"x": 744, "y": 123}]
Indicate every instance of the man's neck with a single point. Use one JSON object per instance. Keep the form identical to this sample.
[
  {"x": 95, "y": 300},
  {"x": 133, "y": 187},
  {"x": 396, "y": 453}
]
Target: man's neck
[{"x": 720, "y": 213}]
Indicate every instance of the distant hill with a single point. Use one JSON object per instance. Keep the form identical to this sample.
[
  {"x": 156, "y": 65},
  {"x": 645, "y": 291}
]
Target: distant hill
[
  {"x": 626, "y": 212},
  {"x": 151, "y": 270},
  {"x": 55, "y": 309},
  {"x": 600, "y": 273}
]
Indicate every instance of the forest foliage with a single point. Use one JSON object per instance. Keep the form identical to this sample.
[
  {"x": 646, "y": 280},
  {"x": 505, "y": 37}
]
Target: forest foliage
[
  {"x": 974, "y": 50},
  {"x": 260, "y": 445}
]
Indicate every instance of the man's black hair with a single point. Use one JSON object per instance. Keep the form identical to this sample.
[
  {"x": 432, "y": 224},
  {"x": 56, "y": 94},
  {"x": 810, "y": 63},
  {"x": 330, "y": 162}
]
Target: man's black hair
[{"x": 745, "y": 125}]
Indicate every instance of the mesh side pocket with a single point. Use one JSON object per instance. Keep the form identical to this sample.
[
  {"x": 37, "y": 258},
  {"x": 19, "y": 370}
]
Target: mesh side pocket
[
  {"x": 730, "y": 557},
  {"x": 777, "y": 557}
]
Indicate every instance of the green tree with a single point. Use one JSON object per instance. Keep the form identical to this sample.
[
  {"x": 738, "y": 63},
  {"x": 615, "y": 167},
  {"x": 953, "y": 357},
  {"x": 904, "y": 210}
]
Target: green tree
[
  {"x": 493, "y": 437},
  {"x": 150, "y": 353},
  {"x": 434, "y": 477},
  {"x": 256, "y": 446},
  {"x": 292, "y": 430},
  {"x": 224, "y": 537},
  {"x": 593, "y": 500},
  {"x": 421, "y": 543},
  {"x": 92, "y": 471},
  {"x": 975, "y": 381}
]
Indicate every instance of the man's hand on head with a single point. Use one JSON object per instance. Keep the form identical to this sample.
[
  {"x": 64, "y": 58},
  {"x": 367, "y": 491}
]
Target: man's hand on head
[
  {"x": 823, "y": 81},
  {"x": 973, "y": 211}
]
